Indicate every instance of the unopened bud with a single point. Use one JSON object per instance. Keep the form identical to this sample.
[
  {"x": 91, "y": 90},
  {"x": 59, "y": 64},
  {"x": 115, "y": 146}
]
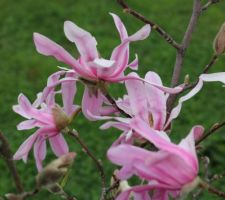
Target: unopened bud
[
  {"x": 219, "y": 42},
  {"x": 186, "y": 79},
  {"x": 54, "y": 171},
  {"x": 61, "y": 119}
]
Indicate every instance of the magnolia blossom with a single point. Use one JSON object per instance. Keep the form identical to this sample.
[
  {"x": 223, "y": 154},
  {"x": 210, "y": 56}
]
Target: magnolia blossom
[
  {"x": 49, "y": 118},
  {"x": 90, "y": 66},
  {"x": 172, "y": 169}
]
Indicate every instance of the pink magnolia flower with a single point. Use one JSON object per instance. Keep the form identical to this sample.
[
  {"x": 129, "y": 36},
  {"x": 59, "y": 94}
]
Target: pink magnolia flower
[
  {"x": 49, "y": 118},
  {"x": 171, "y": 169},
  {"x": 90, "y": 65}
]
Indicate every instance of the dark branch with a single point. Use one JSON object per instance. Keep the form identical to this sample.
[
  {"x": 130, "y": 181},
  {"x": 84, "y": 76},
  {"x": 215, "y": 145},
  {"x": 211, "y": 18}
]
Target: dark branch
[
  {"x": 154, "y": 26},
  {"x": 196, "y": 12},
  {"x": 213, "y": 129},
  {"x": 7, "y": 155},
  {"x": 98, "y": 163},
  {"x": 209, "y": 3}
]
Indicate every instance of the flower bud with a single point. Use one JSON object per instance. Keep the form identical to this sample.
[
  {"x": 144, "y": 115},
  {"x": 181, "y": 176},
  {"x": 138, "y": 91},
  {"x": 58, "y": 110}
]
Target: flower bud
[
  {"x": 54, "y": 171},
  {"x": 219, "y": 42},
  {"x": 60, "y": 117}
]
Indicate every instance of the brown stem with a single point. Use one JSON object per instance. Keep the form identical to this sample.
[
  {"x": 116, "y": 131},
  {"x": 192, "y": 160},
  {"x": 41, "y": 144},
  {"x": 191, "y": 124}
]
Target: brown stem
[
  {"x": 212, "y": 189},
  {"x": 181, "y": 52},
  {"x": 205, "y": 70},
  {"x": 209, "y": 3},
  {"x": 112, "y": 101},
  {"x": 213, "y": 129},
  {"x": 154, "y": 26},
  {"x": 7, "y": 155},
  {"x": 98, "y": 163}
]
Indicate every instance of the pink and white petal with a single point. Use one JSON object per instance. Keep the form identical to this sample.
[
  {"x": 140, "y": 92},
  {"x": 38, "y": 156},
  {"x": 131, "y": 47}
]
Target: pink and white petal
[
  {"x": 91, "y": 104},
  {"x": 39, "y": 152},
  {"x": 219, "y": 76},
  {"x": 85, "y": 42},
  {"x": 25, "y": 147},
  {"x": 156, "y": 100},
  {"x": 28, "y": 124},
  {"x": 120, "y": 27},
  {"x": 134, "y": 64},
  {"x": 68, "y": 93},
  {"x": 145, "y": 131},
  {"x": 119, "y": 125},
  {"x": 58, "y": 145},
  {"x": 47, "y": 47},
  {"x": 121, "y": 53},
  {"x": 137, "y": 97}
]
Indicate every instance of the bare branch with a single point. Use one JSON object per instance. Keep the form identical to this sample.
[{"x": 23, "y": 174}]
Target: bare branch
[
  {"x": 154, "y": 26},
  {"x": 209, "y": 3},
  {"x": 212, "y": 189},
  {"x": 98, "y": 163},
  {"x": 7, "y": 155},
  {"x": 196, "y": 12},
  {"x": 213, "y": 129}
]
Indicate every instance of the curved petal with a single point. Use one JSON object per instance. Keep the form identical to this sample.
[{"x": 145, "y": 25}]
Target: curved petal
[
  {"x": 68, "y": 93},
  {"x": 91, "y": 103},
  {"x": 47, "y": 47},
  {"x": 58, "y": 145},
  {"x": 29, "y": 124},
  {"x": 156, "y": 100},
  {"x": 39, "y": 152},
  {"x": 121, "y": 54},
  {"x": 134, "y": 64},
  {"x": 85, "y": 42}
]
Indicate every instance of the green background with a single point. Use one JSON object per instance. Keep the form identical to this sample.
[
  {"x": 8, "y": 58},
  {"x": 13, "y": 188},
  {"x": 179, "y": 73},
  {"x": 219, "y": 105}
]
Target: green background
[{"x": 22, "y": 69}]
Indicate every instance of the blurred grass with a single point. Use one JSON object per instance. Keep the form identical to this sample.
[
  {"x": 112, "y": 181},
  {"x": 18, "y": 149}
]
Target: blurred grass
[{"x": 22, "y": 69}]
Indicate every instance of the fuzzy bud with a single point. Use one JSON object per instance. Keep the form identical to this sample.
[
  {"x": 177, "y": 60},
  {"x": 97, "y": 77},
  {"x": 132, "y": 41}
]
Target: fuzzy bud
[
  {"x": 219, "y": 42},
  {"x": 60, "y": 117},
  {"x": 54, "y": 171}
]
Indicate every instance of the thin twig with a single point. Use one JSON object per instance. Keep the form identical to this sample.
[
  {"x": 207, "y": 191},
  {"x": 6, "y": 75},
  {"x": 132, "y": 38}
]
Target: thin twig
[
  {"x": 7, "y": 155},
  {"x": 112, "y": 101},
  {"x": 196, "y": 12},
  {"x": 98, "y": 163},
  {"x": 154, "y": 26},
  {"x": 213, "y": 129},
  {"x": 217, "y": 177},
  {"x": 209, "y": 3},
  {"x": 212, "y": 189},
  {"x": 205, "y": 70}
]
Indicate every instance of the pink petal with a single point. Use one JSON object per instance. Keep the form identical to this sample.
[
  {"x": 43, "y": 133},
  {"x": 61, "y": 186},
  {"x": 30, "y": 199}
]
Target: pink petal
[
  {"x": 28, "y": 124},
  {"x": 137, "y": 97},
  {"x": 145, "y": 131},
  {"x": 134, "y": 64},
  {"x": 91, "y": 104},
  {"x": 58, "y": 145},
  {"x": 85, "y": 42},
  {"x": 47, "y": 47},
  {"x": 121, "y": 53},
  {"x": 68, "y": 93},
  {"x": 39, "y": 152},
  {"x": 25, "y": 147},
  {"x": 156, "y": 100},
  {"x": 120, "y": 27}
]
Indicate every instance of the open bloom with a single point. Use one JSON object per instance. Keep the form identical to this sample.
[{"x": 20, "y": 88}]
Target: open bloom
[
  {"x": 49, "y": 118},
  {"x": 171, "y": 169},
  {"x": 90, "y": 66}
]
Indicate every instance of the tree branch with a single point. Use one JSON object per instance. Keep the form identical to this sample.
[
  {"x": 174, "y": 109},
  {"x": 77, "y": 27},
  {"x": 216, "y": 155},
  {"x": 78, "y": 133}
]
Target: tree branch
[
  {"x": 181, "y": 52},
  {"x": 154, "y": 26},
  {"x": 213, "y": 129},
  {"x": 209, "y": 3},
  {"x": 7, "y": 155},
  {"x": 98, "y": 163},
  {"x": 212, "y": 189}
]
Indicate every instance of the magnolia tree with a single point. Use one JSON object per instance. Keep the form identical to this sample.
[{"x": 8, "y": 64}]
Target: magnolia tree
[{"x": 144, "y": 114}]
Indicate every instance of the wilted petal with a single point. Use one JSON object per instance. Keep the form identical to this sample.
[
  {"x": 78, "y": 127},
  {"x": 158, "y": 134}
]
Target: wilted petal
[{"x": 85, "y": 42}]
